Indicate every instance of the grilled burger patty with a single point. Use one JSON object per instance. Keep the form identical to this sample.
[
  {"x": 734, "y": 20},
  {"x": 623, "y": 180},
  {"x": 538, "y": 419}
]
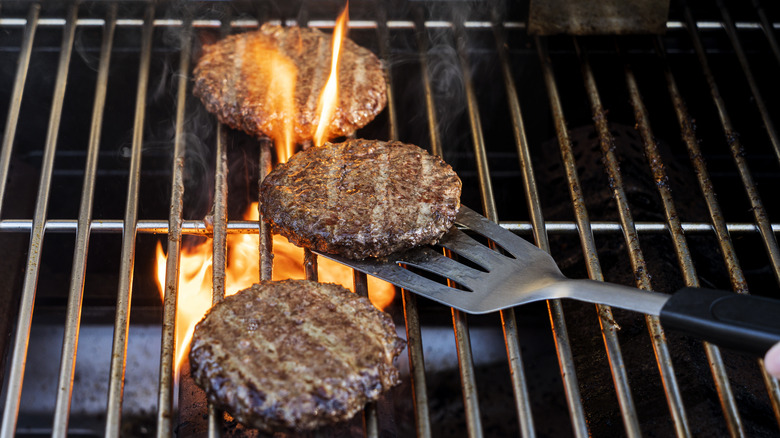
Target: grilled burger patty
[
  {"x": 294, "y": 354},
  {"x": 234, "y": 80},
  {"x": 361, "y": 198}
]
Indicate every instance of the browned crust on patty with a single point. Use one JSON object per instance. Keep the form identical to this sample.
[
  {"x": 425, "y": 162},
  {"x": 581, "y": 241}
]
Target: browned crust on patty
[
  {"x": 294, "y": 354},
  {"x": 361, "y": 198},
  {"x": 231, "y": 83}
]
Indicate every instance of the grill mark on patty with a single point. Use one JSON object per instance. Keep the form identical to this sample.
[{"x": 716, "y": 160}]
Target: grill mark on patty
[
  {"x": 359, "y": 77},
  {"x": 238, "y": 67},
  {"x": 380, "y": 210},
  {"x": 371, "y": 199},
  {"x": 335, "y": 156},
  {"x": 243, "y": 104},
  {"x": 333, "y": 352},
  {"x": 424, "y": 211},
  {"x": 309, "y": 331}
]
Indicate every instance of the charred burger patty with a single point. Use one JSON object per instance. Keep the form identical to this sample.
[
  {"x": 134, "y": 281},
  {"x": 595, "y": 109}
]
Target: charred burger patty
[
  {"x": 294, "y": 354},
  {"x": 361, "y": 198},
  {"x": 241, "y": 80}
]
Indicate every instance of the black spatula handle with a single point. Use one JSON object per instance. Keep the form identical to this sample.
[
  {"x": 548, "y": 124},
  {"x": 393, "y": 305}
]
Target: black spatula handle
[{"x": 742, "y": 322}]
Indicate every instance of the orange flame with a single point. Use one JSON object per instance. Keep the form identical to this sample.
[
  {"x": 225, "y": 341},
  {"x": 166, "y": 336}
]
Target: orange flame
[
  {"x": 280, "y": 73},
  {"x": 195, "y": 276},
  {"x": 329, "y": 96},
  {"x": 242, "y": 270}
]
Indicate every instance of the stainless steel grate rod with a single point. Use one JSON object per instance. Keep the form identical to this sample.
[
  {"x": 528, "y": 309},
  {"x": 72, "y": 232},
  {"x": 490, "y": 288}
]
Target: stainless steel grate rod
[
  {"x": 165, "y": 395},
  {"x": 12, "y": 120},
  {"x": 459, "y": 320},
  {"x": 759, "y": 212},
  {"x": 606, "y": 141},
  {"x": 243, "y": 23},
  {"x": 124, "y": 293},
  {"x": 78, "y": 275},
  {"x": 199, "y": 227},
  {"x": 608, "y": 325},
  {"x": 731, "y": 31},
  {"x": 767, "y": 28},
  {"x": 684, "y": 257},
  {"x": 508, "y": 317},
  {"x": 736, "y": 147},
  {"x": 411, "y": 314},
  {"x": 24, "y": 322}
]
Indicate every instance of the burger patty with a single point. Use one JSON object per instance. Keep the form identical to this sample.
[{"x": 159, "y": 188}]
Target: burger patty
[
  {"x": 361, "y": 198},
  {"x": 294, "y": 354},
  {"x": 241, "y": 80}
]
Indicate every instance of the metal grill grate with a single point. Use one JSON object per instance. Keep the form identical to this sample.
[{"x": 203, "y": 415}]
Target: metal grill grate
[{"x": 469, "y": 84}]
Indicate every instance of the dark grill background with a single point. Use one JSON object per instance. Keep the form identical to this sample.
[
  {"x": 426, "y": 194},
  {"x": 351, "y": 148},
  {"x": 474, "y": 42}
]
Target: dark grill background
[{"x": 495, "y": 406}]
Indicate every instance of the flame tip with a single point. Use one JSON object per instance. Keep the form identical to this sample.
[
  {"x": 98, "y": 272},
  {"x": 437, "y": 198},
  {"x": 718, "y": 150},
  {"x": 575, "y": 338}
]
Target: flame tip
[{"x": 326, "y": 105}]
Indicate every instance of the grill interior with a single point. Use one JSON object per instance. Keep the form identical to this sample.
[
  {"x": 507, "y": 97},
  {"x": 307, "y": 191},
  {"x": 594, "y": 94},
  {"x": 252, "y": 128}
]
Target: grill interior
[{"x": 639, "y": 160}]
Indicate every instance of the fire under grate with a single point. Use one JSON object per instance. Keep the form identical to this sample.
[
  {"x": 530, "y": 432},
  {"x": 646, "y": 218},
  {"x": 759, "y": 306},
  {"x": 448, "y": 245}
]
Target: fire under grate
[{"x": 642, "y": 160}]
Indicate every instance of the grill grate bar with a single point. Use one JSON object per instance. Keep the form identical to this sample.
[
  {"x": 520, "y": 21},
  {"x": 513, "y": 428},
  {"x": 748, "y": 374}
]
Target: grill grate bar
[
  {"x": 24, "y": 323},
  {"x": 219, "y": 230},
  {"x": 731, "y": 31},
  {"x": 565, "y": 357},
  {"x": 509, "y": 322},
  {"x": 732, "y": 138},
  {"x": 768, "y": 29},
  {"x": 76, "y": 295},
  {"x": 608, "y": 325},
  {"x": 122, "y": 321},
  {"x": 199, "y": 227},
  {"x": 370, "y": 414},
  {"x": 727, "y": 249},
  {"x": 636, "y": 256},
  {"x": 773, "y": 385},
  {"x": 460, "y": 320},
  {"x": 430, "y": 106},
  {"x": 165, "y": 394},
  {"x": 353, "y": 24},
  {"x": 722, "y": 231},
  {"x": 414, "y": 349},
  {"x": 467, "y": 378},
  {"x": 384, "y": 53},
  {"x": 414, "y": 345},
  {"x": 219, "y": 221},
  {"x": 219, "y": 208},
  {"x": 12, "y": 120},
  {"x": 266, "y": 241},
  {"x": 762, "y": 220},
  {"x": 219, "y": 247},
  {"x": 560, "y": 333},
  {"x": 684, "y": 257},
  {"x": 360, "y": 279},
  {"x": 508, "y": 316},
  {"x": 719, "y": 225}
]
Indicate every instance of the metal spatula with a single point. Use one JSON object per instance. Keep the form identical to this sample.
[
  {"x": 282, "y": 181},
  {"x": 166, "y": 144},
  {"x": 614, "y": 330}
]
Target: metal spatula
[{"x": 523, "y": 273}]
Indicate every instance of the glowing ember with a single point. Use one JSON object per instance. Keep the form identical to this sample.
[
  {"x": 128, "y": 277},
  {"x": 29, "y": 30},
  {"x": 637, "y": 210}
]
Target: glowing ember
[
  {"x": 195, "y": 276},
  {"x": 329, "y": 97}
]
